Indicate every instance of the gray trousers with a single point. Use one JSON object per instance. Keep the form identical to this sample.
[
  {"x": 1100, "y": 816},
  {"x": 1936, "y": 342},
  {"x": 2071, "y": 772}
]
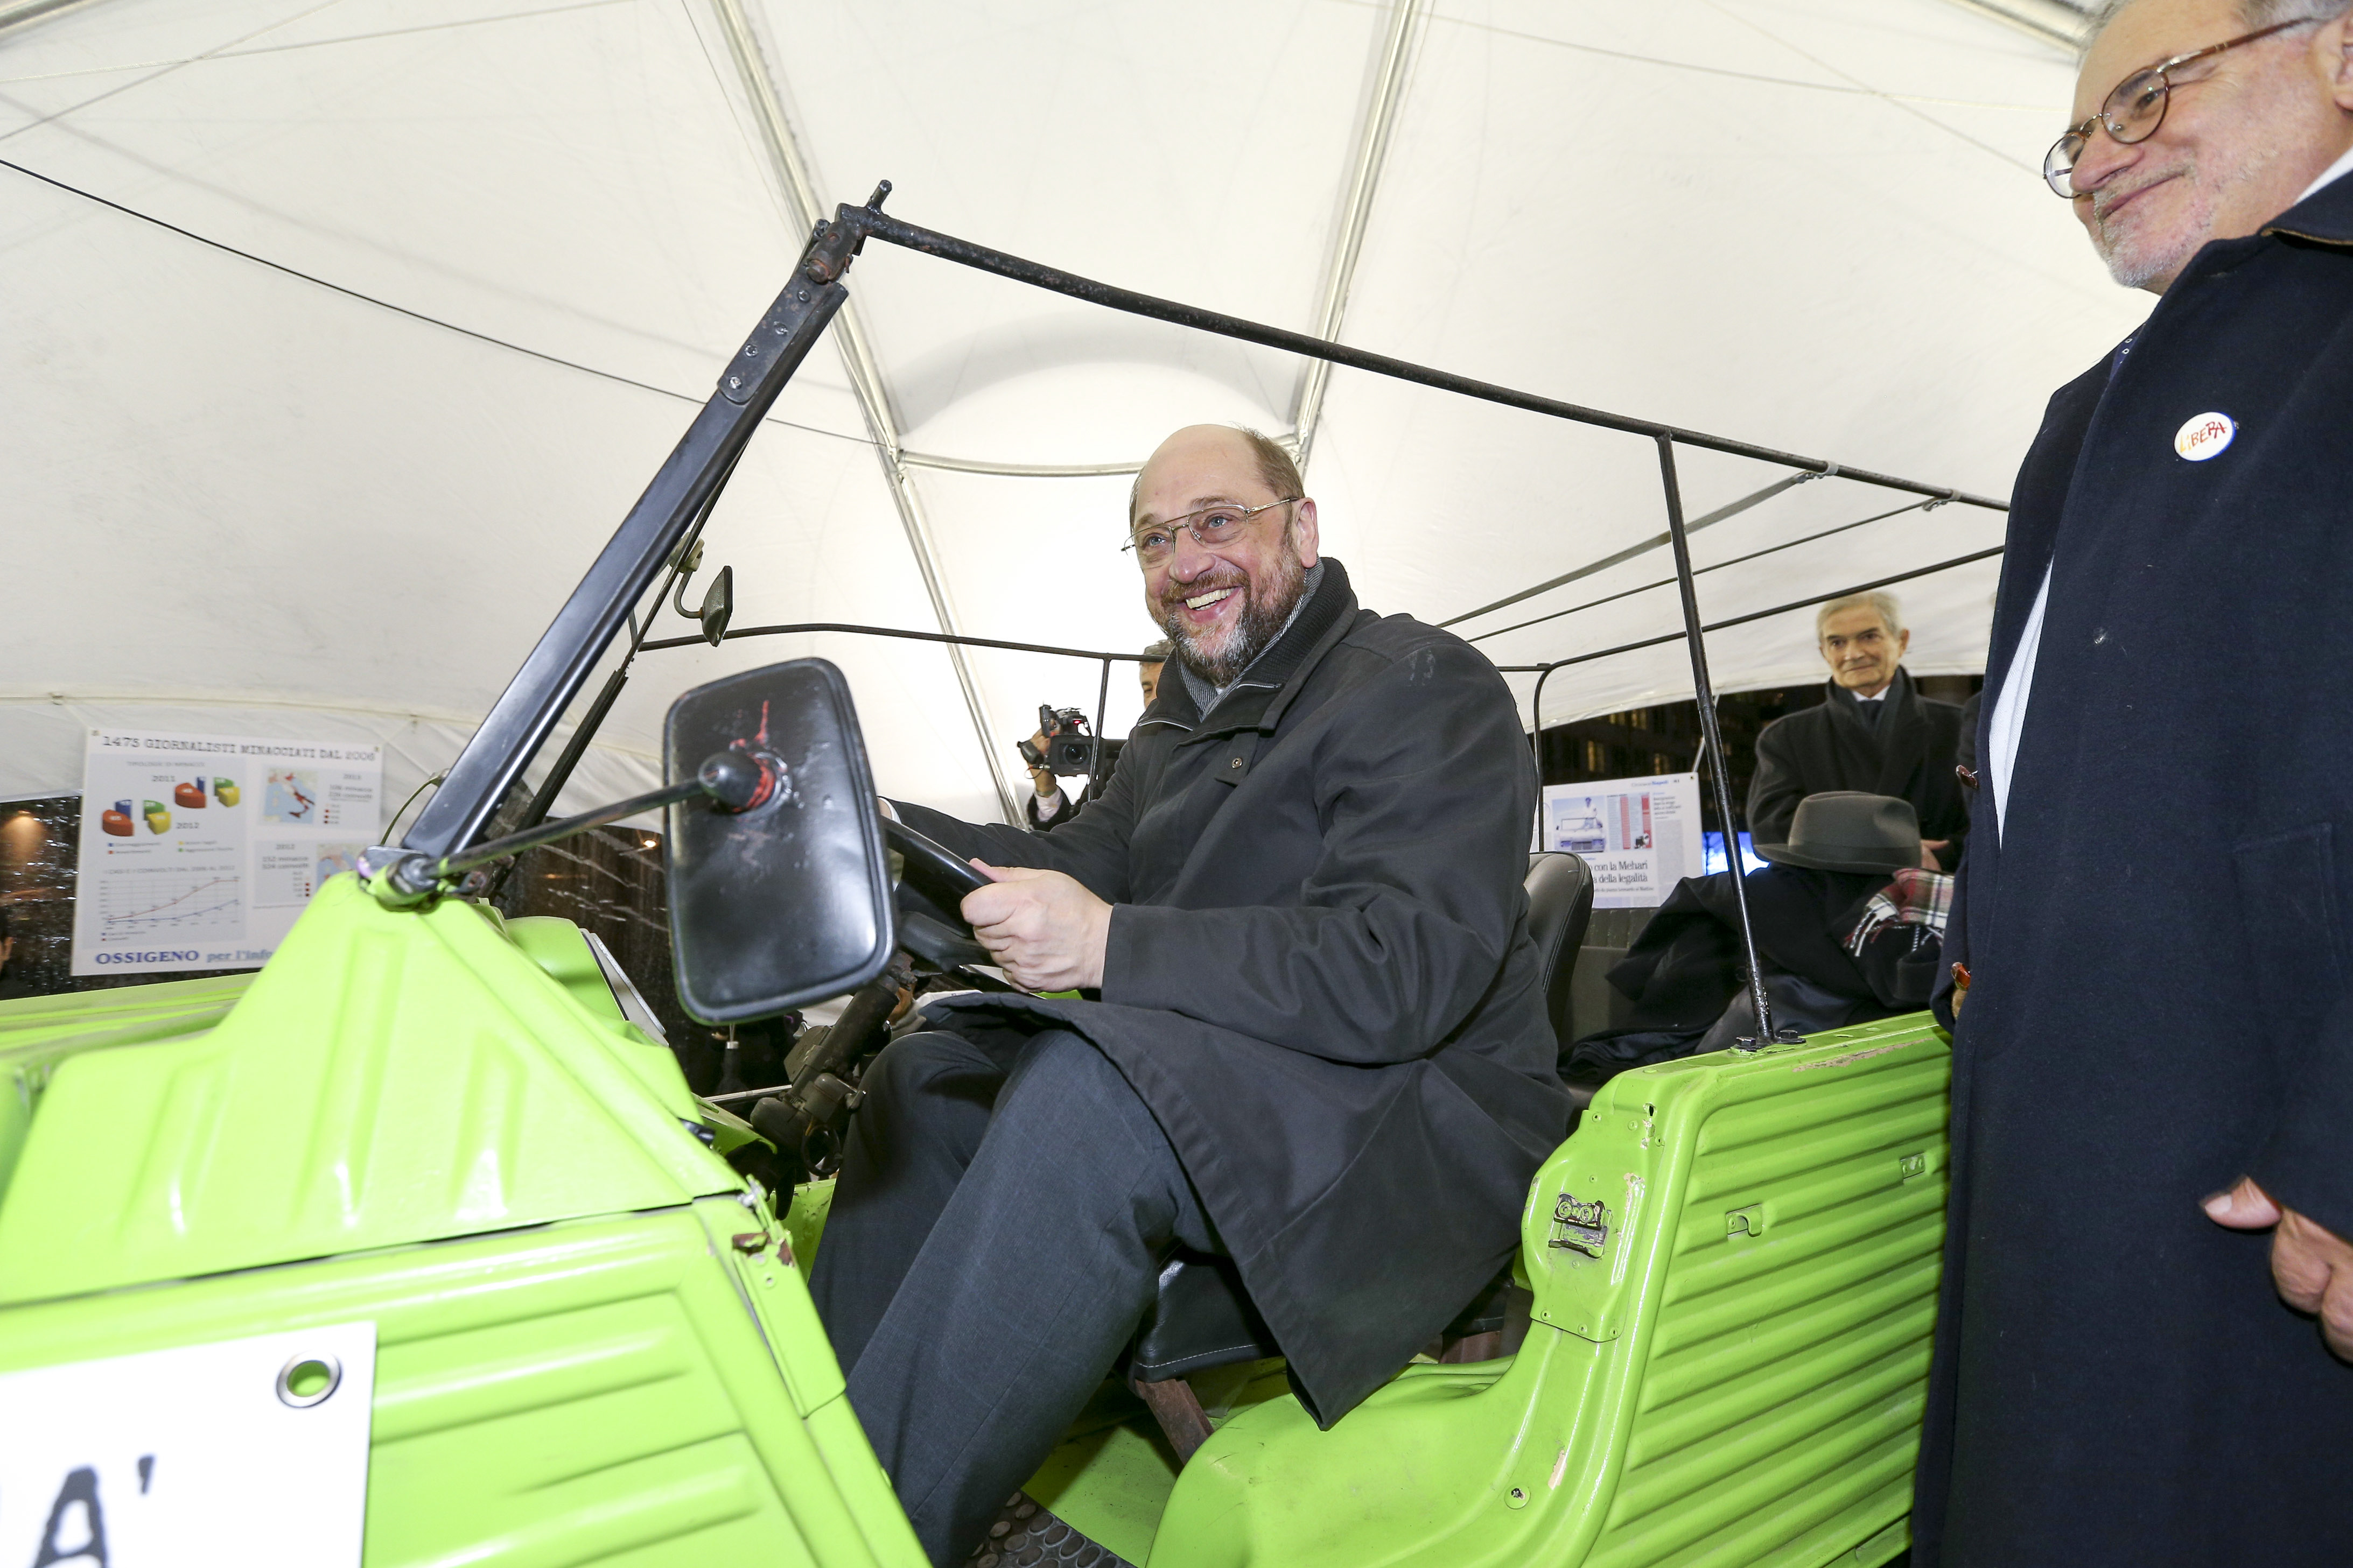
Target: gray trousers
[{"x": 994, "y": 1240}]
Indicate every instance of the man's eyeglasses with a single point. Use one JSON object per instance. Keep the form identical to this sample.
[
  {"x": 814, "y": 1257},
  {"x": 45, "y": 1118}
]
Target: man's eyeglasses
[
  {"x": 2133, "y": 110},
  {"x": 1210, "y": 527}
]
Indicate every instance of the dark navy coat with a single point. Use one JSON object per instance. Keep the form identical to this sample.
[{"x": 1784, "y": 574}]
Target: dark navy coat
[
  {"x": 1319, "y": 975},
  {"x": 2159, "y": 947}
]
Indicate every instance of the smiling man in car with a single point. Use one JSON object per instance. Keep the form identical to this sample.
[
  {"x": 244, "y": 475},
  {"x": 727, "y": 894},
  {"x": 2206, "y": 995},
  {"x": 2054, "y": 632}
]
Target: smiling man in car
[
  {"x": 1319, "y": 1049},
  {"x": 2153, "y": 1062}
]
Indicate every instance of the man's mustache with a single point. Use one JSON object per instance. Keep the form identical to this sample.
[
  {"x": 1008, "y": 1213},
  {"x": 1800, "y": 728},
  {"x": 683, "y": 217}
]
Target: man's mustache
[{"x": 2106, "y": 199}]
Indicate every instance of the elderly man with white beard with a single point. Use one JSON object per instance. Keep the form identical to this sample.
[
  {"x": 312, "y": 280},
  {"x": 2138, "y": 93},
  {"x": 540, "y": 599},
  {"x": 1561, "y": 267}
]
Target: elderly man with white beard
[
  {"x": 2153, "y": 1053},
  {"x": 1309, "y": 1036}
]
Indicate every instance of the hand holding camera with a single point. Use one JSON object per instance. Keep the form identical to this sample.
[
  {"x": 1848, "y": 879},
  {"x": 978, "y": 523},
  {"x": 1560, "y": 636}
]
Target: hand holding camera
[{"x": 1061, "y": 745}]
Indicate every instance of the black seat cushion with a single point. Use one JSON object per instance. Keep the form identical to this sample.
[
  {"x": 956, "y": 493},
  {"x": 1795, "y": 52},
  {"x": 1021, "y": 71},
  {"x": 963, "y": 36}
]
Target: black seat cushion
[{"x": 1202, "y": 1318}]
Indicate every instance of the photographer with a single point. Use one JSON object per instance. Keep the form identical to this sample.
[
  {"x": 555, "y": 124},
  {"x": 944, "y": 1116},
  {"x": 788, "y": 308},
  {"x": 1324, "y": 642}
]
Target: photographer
[{"x": 1047, "y": 807}]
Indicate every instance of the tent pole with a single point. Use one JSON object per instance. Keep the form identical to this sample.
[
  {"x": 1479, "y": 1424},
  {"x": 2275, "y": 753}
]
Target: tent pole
[
  {"x": 1355, "y": 212},
  {"x": 1807, "y": 603},
  {"x": 865, "y": 374},
  {"x": 1718, "y": 566},
  {"x": 1711, "y": 734},
  {"x": 15, "y": 13},
  {"x": 1644, "y": 548}
]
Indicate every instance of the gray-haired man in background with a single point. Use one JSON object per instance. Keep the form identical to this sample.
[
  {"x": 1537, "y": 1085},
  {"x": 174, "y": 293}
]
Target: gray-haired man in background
[{"x": 1873, "y": 733}]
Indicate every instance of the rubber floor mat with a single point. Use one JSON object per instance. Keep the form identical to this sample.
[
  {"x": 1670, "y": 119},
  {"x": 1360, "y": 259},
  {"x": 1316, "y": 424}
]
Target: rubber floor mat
[{"x": 1026, "y": 1535}]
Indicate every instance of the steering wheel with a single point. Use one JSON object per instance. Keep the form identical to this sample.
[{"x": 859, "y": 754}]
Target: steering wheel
[{"x": 936, "y": 881}]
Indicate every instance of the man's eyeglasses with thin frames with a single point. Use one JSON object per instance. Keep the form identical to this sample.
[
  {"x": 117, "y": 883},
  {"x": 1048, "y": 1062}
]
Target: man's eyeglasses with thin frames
[
  {"x": 2136, "y": 107},
  {"x": 1210, "y": 527}
]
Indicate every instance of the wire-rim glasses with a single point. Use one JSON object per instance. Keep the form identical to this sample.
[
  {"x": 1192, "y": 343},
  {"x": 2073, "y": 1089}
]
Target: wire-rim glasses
[
  {"x": 1210, "y": 527},
  {"x": 2135, "y": 107}
]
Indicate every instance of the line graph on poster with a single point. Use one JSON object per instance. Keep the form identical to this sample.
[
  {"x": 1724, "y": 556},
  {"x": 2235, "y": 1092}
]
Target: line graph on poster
[
  {"x": 136, "y": 902},
  {"x": 201, "y": 851}
]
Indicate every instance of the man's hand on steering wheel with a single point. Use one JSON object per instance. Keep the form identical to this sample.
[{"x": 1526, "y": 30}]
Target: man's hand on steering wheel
[{"x": 1043, "y": 928}]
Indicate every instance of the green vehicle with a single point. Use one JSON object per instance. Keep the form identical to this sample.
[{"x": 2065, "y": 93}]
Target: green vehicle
[{"x": 416, "y": 1248}]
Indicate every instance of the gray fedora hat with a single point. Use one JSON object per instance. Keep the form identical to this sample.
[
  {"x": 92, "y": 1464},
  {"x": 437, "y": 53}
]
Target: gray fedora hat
[{"x": 1847, "y": 830}]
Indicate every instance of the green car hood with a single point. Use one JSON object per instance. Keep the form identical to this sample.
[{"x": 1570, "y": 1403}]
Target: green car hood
[{"x": 388, "y": 1079}]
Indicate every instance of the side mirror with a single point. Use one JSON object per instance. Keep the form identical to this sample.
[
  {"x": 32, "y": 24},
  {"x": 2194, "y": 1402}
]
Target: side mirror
[{"x": 788, "y": 900}]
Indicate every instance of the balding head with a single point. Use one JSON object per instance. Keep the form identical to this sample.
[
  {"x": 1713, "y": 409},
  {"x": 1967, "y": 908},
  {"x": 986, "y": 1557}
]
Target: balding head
[
  {"x": 1276, "y": 471},
  {"x": 2244, "y": 131}
]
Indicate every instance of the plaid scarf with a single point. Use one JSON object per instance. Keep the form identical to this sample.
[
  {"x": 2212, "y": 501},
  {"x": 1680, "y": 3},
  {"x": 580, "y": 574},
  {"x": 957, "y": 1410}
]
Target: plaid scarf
[{"x": 1915, "y": 898}]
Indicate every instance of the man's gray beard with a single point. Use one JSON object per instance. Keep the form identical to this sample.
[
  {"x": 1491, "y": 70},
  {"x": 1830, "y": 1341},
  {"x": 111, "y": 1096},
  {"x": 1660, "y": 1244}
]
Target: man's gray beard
[
  {"x": 1260, "y": 622},
  {"x": 2137, "y": 271},
  {"x": 2153, "y": 261}
]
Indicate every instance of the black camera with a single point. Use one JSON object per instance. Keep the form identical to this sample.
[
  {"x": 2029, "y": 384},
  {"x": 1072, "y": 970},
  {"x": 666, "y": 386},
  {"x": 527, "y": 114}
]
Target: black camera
[{"x": 1070, "y": 751}]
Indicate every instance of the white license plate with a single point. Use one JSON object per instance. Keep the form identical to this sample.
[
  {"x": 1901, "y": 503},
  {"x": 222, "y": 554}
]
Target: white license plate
[{"x": 248, "y": 1452}]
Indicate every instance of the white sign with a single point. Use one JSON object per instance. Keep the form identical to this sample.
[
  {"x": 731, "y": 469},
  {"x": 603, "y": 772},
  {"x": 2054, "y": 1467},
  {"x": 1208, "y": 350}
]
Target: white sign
[
  {"x": 197, "y": 851},
  {"x": 252, "y": 1452},
  {"x": 1640, "y": 836}
]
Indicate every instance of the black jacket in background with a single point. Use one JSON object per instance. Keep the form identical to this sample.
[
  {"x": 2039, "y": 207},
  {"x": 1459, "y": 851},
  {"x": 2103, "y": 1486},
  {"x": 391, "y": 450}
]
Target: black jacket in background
[
  {"x": 1683, "y": 971},
  {"x": 1908, "y": 751},
  {"x": 2159, "y": 940}
]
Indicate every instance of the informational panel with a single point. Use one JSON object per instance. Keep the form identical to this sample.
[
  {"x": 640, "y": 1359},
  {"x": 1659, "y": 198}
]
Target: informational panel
[
  {"x": 197, "y": 851},
  {"x": 1640, "y": 836}
]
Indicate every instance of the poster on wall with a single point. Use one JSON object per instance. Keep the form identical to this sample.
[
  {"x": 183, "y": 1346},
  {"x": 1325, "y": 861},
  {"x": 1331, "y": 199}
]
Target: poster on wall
[
  {"x": 197, "y": 851},
  {"x": 1640, "y": 836}
]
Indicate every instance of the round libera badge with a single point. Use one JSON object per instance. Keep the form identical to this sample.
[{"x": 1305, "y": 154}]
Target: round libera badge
[{"x": 2205, "y": 436}]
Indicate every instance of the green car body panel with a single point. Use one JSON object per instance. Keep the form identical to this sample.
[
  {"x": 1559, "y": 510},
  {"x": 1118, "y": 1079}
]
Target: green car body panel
[
  {"x": 595, "y": 1343},
  {"x": 1734, "y": 1263}
]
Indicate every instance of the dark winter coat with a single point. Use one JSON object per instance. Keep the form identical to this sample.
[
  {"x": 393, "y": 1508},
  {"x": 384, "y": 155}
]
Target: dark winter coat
[
  {"x": 1901, "y": 745},
  {"x": 2159, "y": 948},
  {"x": 1685, "y": 967},
  {"x": 1319, "y": 976}
]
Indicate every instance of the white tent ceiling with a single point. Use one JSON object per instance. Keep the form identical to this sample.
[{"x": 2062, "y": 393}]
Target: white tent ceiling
[{"x": 495, "y": 251}]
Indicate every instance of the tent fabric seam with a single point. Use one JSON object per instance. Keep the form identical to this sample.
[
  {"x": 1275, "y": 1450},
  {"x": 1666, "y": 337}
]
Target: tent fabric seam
[{"x": 865, "y": 372}]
